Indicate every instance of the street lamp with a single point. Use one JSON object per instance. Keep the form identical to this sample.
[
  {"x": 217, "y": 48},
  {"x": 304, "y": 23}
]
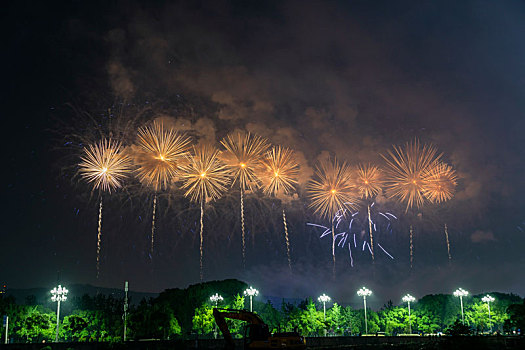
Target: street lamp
[
  {"x": 409, "y": 299},
  {"x": 251, "y": 292},
  {"x": 216, "y": 298},
  {"x": 58, "y": 294},
  {"x": 364, "y": 292},
  {"x": 488, "y": 299},
  {"x": 324, "y": 299},
  {"x": 461, "y": 293}
]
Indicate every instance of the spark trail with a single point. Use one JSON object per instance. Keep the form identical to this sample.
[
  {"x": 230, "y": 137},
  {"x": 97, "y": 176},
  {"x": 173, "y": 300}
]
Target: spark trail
[
  {"x": 99, "y": 236},
  {"x": 153, "y": 224},
  {"x": 105, "y": 167},
  {"x": 205, "y": 178},
  {"x": 279, "y": 177},
  {"x": 243, "y": 155}
]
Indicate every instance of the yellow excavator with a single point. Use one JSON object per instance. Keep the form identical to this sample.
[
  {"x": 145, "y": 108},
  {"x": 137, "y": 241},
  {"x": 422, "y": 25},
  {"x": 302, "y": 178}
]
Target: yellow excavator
[{"x": 256, "y": 333}]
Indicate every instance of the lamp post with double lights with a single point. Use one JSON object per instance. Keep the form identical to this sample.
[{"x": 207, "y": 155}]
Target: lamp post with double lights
[
  {"x": 58, "y": 294},
  {"x": 216, "y": 298},
  {"x": 251, "y": 292},
  {"x": 364, "y": 292},
  {"x": 460, "y": 292},
  {"x": 409, "y": 299},
  {"x": 324, "y": 299},
  {"x": 488, "y": 299}
]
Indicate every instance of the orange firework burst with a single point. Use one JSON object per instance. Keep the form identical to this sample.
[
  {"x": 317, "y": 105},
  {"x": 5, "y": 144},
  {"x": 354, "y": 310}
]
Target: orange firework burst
[
  {"x": 105, "y": 165},
  {"x": 205, "y": 177},
  {"x": 280, "y": 171},
  {"x": 243, "y": 155},
  {"x": 440, "y": 183},
  {"x": 405, "y": 172},
  {"x": 368, "y": 181},
  {"x": 331, "y": 189},
  {"x": 159, "y": 155}
]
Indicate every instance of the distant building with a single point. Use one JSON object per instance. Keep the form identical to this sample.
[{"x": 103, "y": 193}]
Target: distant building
[{"x": 3, "y": 290}]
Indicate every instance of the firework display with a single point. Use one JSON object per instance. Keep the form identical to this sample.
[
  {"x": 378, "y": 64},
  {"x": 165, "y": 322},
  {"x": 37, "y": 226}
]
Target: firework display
[
  {"x": 158, "y": 159},
  {"x": 329, "y": 190},
  {"x": 243, "y": 156},
  {"x": 369, "y": 183},
  {"x": 163, "y": 159},
  {"x": 279, "y": 176},
  {"x": 105, "y": 166},
  {"x": 406, "y": 171},
  {"x": 205, "y": 178}
]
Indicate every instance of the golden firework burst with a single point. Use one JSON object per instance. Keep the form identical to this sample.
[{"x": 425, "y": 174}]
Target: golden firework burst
[
  {"x": 104, "y": 165},
  {"x": 368, "y": 180},
  {"x": 205, "y": 177},
  {"x": 243, "y": 156},
  {"x": 331, "y": 189},
  {"x": 440, "y": 183},
  {"x": 280, "y": 171},
  {"x": 405, "y": 169},
  {"x": 160, "y": 154}
]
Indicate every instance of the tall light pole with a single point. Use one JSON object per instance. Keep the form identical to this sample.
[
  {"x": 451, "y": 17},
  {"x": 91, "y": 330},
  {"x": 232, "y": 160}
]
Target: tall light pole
[
  {"x": 215, "y": 299},
  {"x": 409, "y": 299},
  {"x": 324, "y": 299},
  {"x": 460, "y": 292},
  {"x": 58, "y": 294},
  {"x": 251, "y": 292},
  {"x": 364, "y": 292},
  {"x": 488, "y": 299}
]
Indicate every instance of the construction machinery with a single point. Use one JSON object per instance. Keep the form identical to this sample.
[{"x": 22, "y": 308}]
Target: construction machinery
[{"x": 256, "y": 332}]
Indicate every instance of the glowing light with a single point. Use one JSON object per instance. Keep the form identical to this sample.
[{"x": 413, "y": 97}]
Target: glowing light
[
  {"x": 364, "y": 292},
  {"x": 487, "y": 299},
  {"x": 104, "y": 165},
  {"x": 243, "y": 155},
  {"x": 369, "y": 181},
  {"x": 324, "y": 298},
  {"x": 216, "y": 298},
  {"x": 439, "y": 183},
  {"x": 204, "y": 176},
  {"x": 406, "y": 168},
  {"x": 331, "y": 188},
  {"x": 280, "y": 171},
  {"x": 460, "y": 292},
  {"x": 251, "y": 292},
  {"x": 160, "y": 152}
]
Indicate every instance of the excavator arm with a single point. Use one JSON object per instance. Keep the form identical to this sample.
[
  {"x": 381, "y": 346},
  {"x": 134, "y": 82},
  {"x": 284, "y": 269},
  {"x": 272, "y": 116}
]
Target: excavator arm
[{"x": 222, "y": 314}]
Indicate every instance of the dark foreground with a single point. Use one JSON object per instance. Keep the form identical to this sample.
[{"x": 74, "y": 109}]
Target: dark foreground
[{"x": 356, "y": 343}]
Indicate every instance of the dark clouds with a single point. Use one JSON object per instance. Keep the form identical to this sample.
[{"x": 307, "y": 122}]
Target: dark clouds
[{"x": 346, "y": 78}]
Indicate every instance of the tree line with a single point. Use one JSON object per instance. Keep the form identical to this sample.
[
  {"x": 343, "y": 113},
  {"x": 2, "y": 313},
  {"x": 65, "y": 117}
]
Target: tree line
[{"x": 187, "y": 313}]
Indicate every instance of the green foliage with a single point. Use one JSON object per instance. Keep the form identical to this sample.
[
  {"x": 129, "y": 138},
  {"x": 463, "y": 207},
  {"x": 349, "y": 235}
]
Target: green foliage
[{"x": 458, "y": 328}]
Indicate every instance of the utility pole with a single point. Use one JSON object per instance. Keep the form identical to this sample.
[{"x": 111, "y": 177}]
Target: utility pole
[
  {"x": 6, "y": 329},
  {"x": 125, "y": 308}
]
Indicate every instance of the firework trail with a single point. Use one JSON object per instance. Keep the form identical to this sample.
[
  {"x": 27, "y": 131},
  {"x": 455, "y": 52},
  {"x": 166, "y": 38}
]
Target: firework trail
[
  {"x": 353, "y": 226},
  {"x": 159, "y": 156},
  {"x": 329, "y": 190},
  {"x": 279, "y": 177},
  {"x": 448, "y": 244},
  {"x": 153, "y": 224},
  {"x": 406, "y": 176},
  {"x": 99, "y": 235},
  {"x": 105, "y": 166},
  {"x": 369, "y": 182},
  {"x": 287, "y": 241},
  {"x": 243, "y": 156},
  {"x": 205, "y": 178},
  {"x": 440, "y": 186}
]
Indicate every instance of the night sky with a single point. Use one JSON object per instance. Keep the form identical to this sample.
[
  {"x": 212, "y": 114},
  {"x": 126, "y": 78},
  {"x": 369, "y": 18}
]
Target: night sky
[{"x": 345, "y": 78}]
